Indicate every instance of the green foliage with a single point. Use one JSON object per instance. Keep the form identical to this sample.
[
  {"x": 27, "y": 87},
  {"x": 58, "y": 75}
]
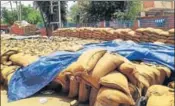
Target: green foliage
[
  {"x": 29, "y": 14},
  {"x": 104, "y": 10},
  {"x": 132, "y": 11},
  {"x": 94, "y": 11},
  {"x": 74, "y": 14},
  {"x": 8, "y": 17}
]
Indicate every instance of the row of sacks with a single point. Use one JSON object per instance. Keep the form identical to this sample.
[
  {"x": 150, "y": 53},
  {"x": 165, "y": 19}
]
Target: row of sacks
[
  {"x": 139, "y": 35},
  {"x": 108, "y": 79},
  {"x": 10, "y": 61}
]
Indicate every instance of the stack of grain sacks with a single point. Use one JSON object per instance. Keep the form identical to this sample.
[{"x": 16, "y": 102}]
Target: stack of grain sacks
[
  {"x": 139, "y": 35},
  {"x": 108, "y": 79},
  {"x": 153, "y": 35},
  {"x": 11, "y": 60}
]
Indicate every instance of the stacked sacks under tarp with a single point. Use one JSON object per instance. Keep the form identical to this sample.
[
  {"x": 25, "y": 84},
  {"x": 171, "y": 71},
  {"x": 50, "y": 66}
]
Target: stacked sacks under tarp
[
  {"x": 171, "y": 36},
  {"x": 139, "y": 35},
  {"x": 108, "y": 79},
  {"x": 156, "y": 35},
  {"x": 12, "y": 60}
]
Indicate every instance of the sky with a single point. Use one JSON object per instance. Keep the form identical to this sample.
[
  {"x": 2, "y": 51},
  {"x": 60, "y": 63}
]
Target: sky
[{"x": 7, "y": 4}]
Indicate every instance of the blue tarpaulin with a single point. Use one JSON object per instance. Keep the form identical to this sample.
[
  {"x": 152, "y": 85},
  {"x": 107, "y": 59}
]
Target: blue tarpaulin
[{"x": 29, "y": 80}]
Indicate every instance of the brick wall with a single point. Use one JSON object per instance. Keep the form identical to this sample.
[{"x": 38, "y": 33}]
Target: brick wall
[{"x": 148, "y": 4}]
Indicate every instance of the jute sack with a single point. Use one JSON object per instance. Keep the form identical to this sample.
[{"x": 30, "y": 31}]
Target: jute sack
[
  {"x": 8, "y": 70},
  {"x": 5, "y": 56},
  {"x": 159, "y": 90},
  {"x": 89, "y": 80},
  {"x": 171, "y": 84},
  {"x": 73, "y": 87},
  {"x": 171, "y": 31},
  {"x": 147, "y": 72},
  {"x": 159, "y": 43},
  {"x": 108, "y": 63},
  {"x": 89, "y": 58},
  {"x": 161, "y": 74},
  {"x": 112, "y": 97},
  {"x": 63, "y": 77},
  {"x": 164, "y": 100},
  {"x": 130, "y": 71},
  {"x": 92, "y": 97},
  {"x": 166, "y": 70},
  {"x": 164, "y": 33},
  {"x": 134, "y": 91},
  {"x": 161, "y": 40},
  {"x": 115, "y": 80},
  {"x": 22, "y": 59},
  {"x": 171, "y": 38},
  {"x": 84, "y": 92},
  {"x": 131, "y": 33},
  {"x": 148, "y": 78},
  {"x": 170, "y": 41},
  {"x": 157, "y": 31},
  {"x": 126, "y": 31},
  {"x": 119, "y": 33},
  {"x": 149, "y": 29},
  {"x": 140, "y": 30}
]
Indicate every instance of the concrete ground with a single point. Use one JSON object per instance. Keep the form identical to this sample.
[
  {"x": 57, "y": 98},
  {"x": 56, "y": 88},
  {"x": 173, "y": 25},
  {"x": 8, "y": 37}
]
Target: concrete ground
[{"x": 52, "y": 100}]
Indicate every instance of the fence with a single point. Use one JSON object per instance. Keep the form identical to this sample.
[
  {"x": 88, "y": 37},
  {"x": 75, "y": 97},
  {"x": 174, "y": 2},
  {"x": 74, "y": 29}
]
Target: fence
[
  {"x": 164, "y": 22},
  {"x": 114, "y": 24}
]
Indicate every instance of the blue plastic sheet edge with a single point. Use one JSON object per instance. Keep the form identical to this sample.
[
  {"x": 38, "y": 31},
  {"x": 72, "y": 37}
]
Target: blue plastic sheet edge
[{"x": 27, "y": 81}]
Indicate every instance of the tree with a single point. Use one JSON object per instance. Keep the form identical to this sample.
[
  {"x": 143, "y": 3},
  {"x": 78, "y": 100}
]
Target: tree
[
  {"x": 9, "y": 17},
  {"x": 132, "y": 11},
  {"x": 94, "y": 11},
  {"x": 74, "y": 13},
  {"x": 29, "y": 14}
]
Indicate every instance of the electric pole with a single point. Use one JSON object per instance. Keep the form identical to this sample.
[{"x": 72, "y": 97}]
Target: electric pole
[
  {"x": 18, "y": 6},
  {"x": 11, "y": 5},
  {"x": 59, "y": 9},
  {"x": 17, "y": 9},
  {"x": 20, "y": 10}
]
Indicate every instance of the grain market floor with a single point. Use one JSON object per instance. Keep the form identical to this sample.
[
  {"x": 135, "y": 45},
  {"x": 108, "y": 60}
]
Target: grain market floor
[
  {"x": 52, "y": 100},
  {"x": 40, "y": 47}
]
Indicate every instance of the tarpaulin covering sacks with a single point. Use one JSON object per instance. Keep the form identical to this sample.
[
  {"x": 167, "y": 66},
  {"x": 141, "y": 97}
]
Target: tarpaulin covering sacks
[{"x": 29, "y": 80}]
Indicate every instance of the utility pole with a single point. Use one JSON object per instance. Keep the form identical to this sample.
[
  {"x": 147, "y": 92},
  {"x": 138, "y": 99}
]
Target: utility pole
[
  {"x": 59, "y": 7},
  {"x": 51, "y": 7},
  {"x": 11, "y": 5},
  {"x": 20, "y": 10},
  {"x": 17, "y": 9}
]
